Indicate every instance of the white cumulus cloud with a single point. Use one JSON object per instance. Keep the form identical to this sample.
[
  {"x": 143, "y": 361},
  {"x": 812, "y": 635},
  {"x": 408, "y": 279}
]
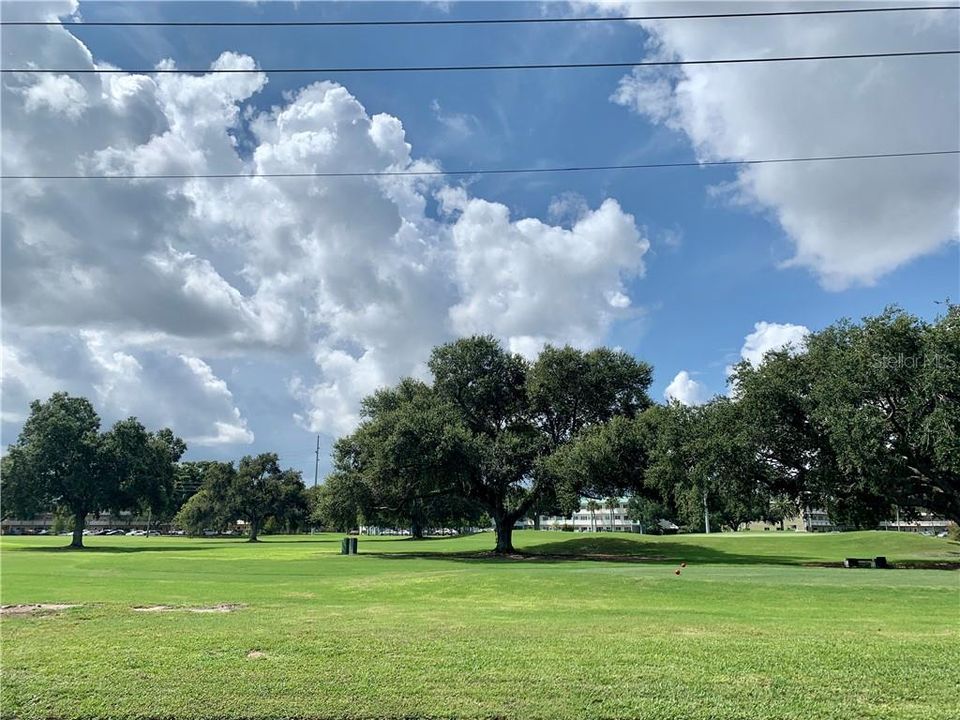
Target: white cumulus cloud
[
  {"x": 685, "y": 390},
  {"x": 340, "y": 285},
  {"x": 850, "y": 222},
  {"x": 772, "y": 336},
  {"x": 162, "y": 389},
  {"x": 525, "y": 279}
]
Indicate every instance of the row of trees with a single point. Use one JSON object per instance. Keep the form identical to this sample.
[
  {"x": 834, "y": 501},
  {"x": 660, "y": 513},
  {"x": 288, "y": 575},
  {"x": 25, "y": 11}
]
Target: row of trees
[
  {"x": 867, "y": 418},
  {"x": 62, "y": 462},
  {"x": 863, "y": 418},
  {"x": 256, "y": 491}
]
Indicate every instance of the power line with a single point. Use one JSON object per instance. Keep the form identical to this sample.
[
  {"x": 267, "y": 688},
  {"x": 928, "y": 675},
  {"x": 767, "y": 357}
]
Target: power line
[
  {"x": 476, "y": 21},
  {"x": 503, "y": 171},
  {"x": 452, "y": 68}
]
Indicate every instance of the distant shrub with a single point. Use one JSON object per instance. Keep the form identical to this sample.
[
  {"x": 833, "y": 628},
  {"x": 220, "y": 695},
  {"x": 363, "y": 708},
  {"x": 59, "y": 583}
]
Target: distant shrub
[
  {"x": 61, "y": 523},
  {"x": 953, "y": 531}
]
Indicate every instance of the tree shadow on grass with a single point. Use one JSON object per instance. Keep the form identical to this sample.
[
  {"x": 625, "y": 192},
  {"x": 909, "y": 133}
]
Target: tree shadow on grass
[
  {"x": 411, "y": 539},
  {"x": 99, "y": 549},
  {"x": 275, "y": 540},
  {"x": 662, "y": 553},
  {"x": 120, "y": 549},
  {"x": 621, "y": 550}
]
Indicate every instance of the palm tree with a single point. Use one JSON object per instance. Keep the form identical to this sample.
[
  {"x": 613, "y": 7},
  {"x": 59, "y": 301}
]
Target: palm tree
[
  {"x": 612, "y": 504},
  {"x": 782, "y": 508},
  {"x": 593, "y": 506}
]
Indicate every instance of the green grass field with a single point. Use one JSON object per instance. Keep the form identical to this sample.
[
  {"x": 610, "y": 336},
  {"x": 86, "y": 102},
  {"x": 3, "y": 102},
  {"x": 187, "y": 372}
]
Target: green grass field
[{"x": 752, "y": 628}]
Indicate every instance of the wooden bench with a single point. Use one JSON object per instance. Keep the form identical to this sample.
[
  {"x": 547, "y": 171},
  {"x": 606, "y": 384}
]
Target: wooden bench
[{"x": 877, "y": 562}]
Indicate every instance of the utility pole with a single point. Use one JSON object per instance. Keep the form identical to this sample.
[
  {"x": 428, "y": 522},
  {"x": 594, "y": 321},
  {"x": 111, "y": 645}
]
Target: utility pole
[
  {"x": 706, "y": 513},
  {"x": 316, "y": 464}
]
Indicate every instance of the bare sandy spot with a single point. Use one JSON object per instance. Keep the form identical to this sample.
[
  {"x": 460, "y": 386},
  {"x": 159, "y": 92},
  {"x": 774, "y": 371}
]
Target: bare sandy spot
[
  {"x": 221, "y": 608},
  {"x": 255, "y": 655},
  {"x": 34, "y": 609}
]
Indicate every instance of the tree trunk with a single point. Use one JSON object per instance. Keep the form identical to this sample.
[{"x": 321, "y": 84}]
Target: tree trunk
[
  {"x": 416, "y": 529},
  {"x": 254, "y": 529},
  {"x": 504, "y": 530},
  {"x": 79, "y": 522},
  {"x": 536, "y": 521}
]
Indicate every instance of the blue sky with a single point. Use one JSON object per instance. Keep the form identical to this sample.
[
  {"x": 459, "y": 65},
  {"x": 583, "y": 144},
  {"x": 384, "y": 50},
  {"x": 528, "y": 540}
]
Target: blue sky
[{"x": 718, "y": 243}]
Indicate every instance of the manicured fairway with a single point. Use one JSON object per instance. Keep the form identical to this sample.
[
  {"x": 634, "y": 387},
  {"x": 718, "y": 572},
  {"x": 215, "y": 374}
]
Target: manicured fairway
[{"x": 422, "y": 629}]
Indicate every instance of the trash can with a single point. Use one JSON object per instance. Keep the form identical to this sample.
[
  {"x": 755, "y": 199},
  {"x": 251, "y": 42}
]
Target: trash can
[
  {"x": 353, "y": 546},
  {"x": 345, "y": 546}
]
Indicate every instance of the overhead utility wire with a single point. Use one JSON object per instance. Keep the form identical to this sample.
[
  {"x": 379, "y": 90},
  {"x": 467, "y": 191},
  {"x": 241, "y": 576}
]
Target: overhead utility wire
[
  {"x": 453, "y": 68},
  {"x": 504, "y": 171},
  {"x": 475, "y": 21}
]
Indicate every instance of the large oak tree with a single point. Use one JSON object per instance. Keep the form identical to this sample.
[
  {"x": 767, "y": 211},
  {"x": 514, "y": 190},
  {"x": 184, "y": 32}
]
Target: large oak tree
[{"x": 477, "y": 436}]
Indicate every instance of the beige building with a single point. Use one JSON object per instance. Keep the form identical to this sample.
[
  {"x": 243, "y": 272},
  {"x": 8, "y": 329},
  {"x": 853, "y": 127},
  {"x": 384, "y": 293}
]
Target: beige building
[
  {"x": 817, "y": 520},
  {"x": 810, "y": 520}
]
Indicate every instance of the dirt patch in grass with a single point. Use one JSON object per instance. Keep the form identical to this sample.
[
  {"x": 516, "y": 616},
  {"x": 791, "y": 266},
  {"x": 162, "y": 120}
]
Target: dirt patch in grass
[
  {"x": 256, "y": 655},
  {"x": 34, "y": 609},
  {"x": 221, "y": 608}
]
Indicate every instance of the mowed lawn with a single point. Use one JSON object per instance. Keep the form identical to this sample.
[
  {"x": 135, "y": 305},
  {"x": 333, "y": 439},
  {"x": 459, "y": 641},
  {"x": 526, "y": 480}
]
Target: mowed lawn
[{"x": 752, "y": 628}]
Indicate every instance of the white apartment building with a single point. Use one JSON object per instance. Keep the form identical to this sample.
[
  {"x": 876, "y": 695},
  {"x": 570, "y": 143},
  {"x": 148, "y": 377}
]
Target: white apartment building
[
  {"x": 926, "y": 523},
  {"x": 601, "y": 519}
]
